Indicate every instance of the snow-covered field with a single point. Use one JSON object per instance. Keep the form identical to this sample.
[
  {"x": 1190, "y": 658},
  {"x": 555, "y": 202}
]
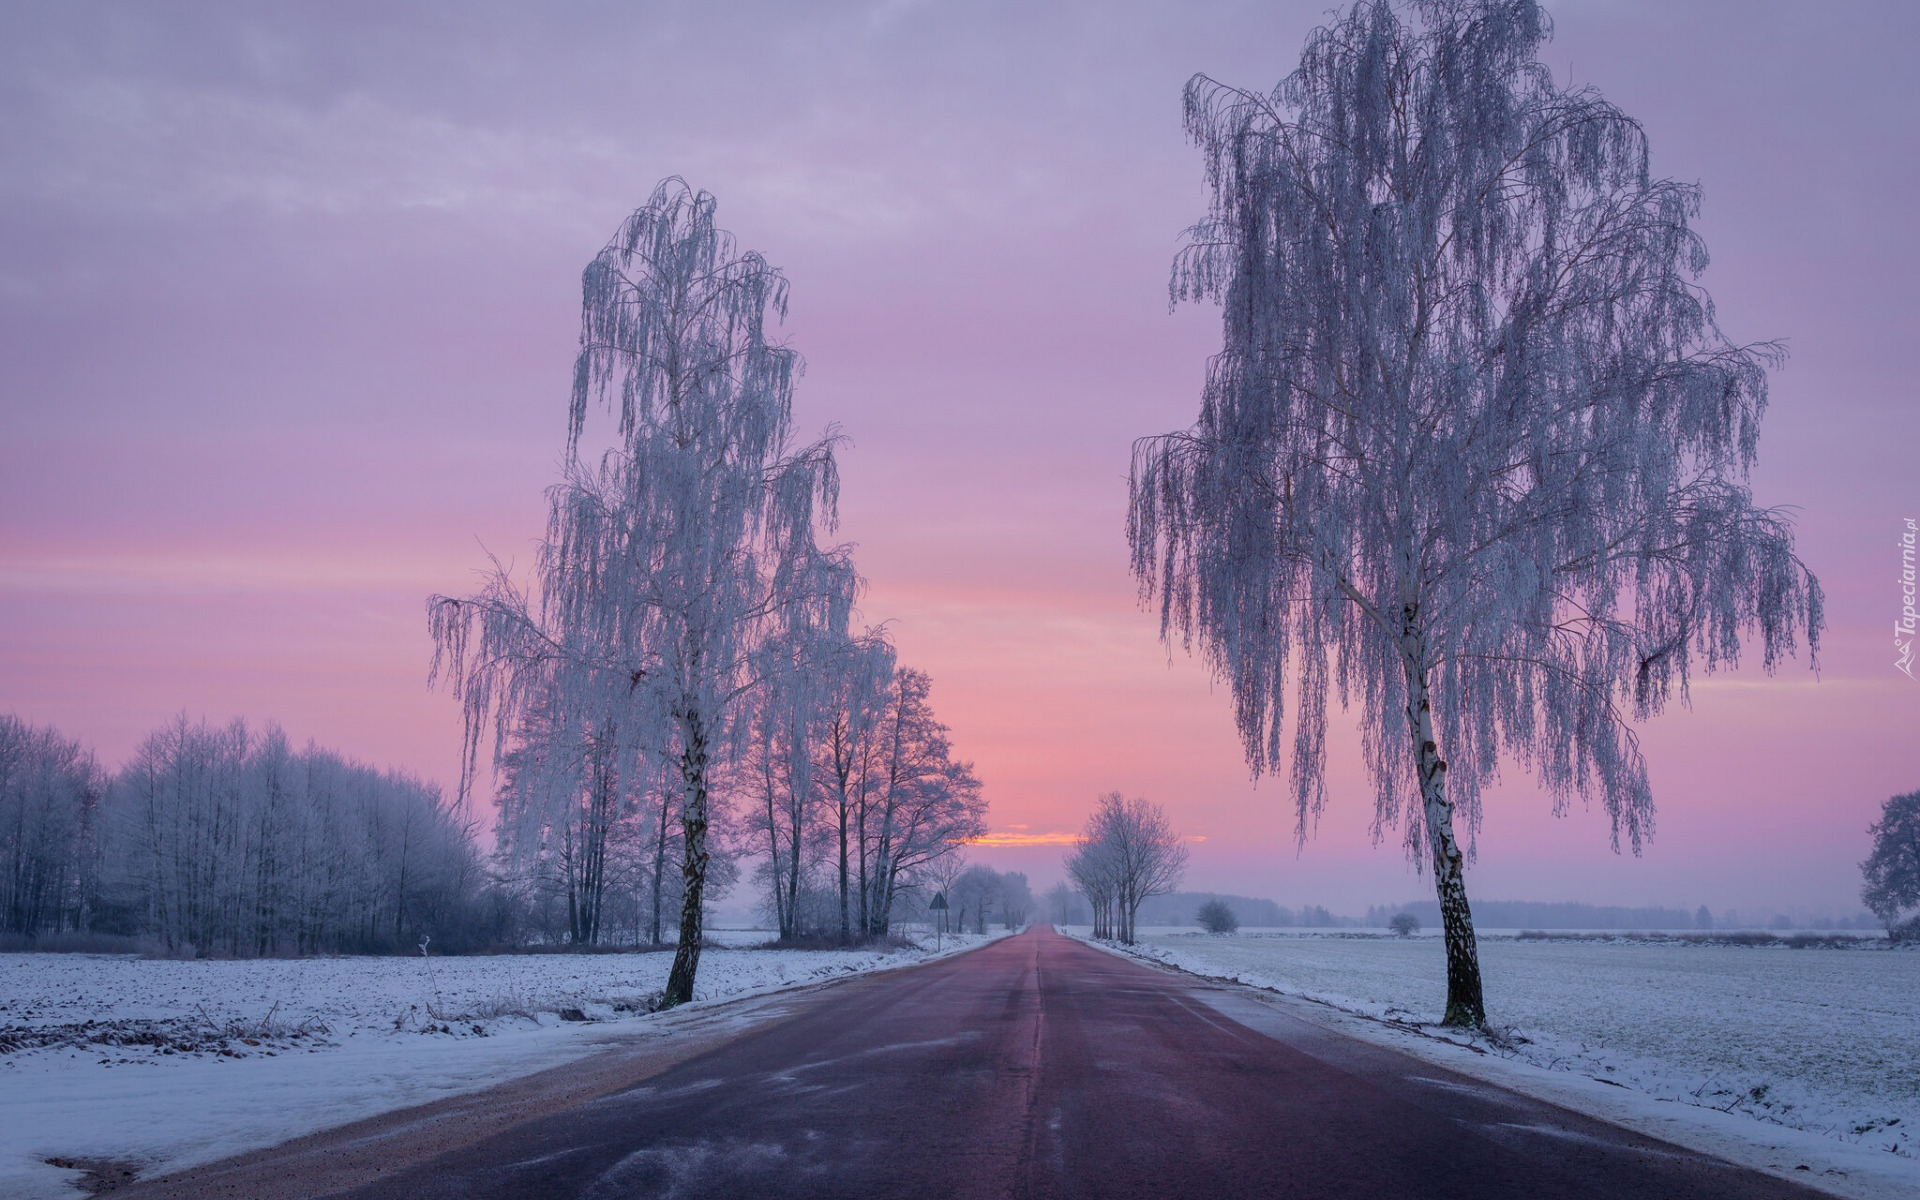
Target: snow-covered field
[
  {"x": 169, "y": 1063},
  {"x": 1825, "y": 1040}
]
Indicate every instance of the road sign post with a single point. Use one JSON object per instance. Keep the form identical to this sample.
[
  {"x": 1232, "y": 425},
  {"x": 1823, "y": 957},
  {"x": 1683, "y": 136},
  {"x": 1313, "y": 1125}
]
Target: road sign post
[{"x": 939, "y": 910}]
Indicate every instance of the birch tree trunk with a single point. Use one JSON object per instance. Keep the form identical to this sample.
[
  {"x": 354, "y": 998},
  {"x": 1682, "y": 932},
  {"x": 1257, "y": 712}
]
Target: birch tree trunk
[
  {"x": 795, "y": 831},
  {"x": 775, "y": 855},
  {"x": 1465, "y": 1004},
  {"x": 659, "y": 865},
  {"x": 693, "y": 826},
  {"x": 842, "y": 771},
  {"x": 860, "y": 841},
  {"x": 887, "y": 873},
  {"x": 846, "y": 918}
]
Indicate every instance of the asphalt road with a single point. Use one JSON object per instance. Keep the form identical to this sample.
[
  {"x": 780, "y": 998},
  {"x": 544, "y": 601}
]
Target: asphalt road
[{"x": 1041, "y": 1067}]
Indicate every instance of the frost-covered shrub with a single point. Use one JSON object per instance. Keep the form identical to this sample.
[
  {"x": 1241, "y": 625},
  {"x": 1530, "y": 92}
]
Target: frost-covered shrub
[
  {"x": 1892, "y": 872},
  {"x": 1217, "y": 916}
]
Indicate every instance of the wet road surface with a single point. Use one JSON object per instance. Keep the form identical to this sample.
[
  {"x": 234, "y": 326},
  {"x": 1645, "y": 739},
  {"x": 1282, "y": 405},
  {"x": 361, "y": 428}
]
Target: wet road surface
[{"x": 1041, "y": 1067}]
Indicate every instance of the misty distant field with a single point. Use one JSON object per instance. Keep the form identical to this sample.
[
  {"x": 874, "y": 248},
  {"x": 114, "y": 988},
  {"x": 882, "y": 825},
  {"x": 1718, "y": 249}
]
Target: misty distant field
[{"x": 1822, "y": 1038}]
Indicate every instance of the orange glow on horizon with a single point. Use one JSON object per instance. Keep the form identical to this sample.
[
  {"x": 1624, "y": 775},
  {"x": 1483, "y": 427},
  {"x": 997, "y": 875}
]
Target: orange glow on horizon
[
  {"x": 1025, "y": 839},
  {"x": 1044, "y": 839}
]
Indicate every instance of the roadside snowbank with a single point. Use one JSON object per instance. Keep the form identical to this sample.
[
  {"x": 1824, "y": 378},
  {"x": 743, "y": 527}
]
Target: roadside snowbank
[{"x": 168, "y": 1064}]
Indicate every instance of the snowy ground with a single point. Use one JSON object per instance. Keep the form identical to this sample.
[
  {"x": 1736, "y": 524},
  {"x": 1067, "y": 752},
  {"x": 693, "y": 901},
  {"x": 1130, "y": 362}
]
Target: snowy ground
[
  {"x": 168, "y": 1064},
  {"x": 1825, "y": 1040}
]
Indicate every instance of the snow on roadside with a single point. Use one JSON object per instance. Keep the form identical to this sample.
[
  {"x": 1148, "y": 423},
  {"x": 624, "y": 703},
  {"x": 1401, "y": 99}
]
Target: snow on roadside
[
  {"x": 1821, "y": 1040},
  {"x": 169, "y": 1064}
]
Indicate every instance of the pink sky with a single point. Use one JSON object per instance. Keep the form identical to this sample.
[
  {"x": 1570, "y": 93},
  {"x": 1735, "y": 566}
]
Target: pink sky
[{"x": 290, "y": 301}]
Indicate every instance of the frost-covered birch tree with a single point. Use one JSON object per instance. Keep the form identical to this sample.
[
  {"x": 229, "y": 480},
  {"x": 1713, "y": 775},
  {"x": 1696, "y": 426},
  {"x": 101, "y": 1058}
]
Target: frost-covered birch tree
[
  {"x": 673, "y": 556},
  {"x": 1474, "y": 450}
]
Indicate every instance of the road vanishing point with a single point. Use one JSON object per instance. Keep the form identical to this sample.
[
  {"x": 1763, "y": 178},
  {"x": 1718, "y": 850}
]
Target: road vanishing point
[{"x": 1035, "y": 1066}]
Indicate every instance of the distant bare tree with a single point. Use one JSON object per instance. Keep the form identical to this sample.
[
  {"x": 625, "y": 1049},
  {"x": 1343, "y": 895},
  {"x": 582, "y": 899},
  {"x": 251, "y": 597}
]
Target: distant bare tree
[
  {"x": 1060, "y": 903},
  {"x": 974, "y": 895},
  {"x": 941, "y": 876},
  {"x": 1094, "y": 869},
  {"x": 857, "y": 691},
  {"x": 924, "y": 805},
  {"x": 790, "y": 717},
  {"x": 1015, "y": 899},
  {"x": 853, "y": 786}
]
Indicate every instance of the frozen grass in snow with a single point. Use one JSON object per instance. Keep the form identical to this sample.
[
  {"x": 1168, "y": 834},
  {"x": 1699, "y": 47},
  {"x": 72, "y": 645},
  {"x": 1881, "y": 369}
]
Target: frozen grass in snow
[
  {"x": 1826, "y": 1040},
  {"x": 172, "y": 1063},
  {"x": 82, "y": 999}
]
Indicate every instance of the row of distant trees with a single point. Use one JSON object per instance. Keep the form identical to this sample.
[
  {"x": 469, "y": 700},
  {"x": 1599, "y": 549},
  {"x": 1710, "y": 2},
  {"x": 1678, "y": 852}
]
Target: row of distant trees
[
  {"x": 978, "y": 896},
  {"x": 847, "y": 804},
  {"x": 1127, "y": 853},
  {"x": 228, "y": 840},
  {"x": 856, "y": 795}
]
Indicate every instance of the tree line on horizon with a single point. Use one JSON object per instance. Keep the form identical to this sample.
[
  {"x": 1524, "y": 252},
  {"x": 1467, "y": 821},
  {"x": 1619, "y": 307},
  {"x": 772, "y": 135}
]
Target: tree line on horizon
[
  {"x": 230, "y": 841},
  {"x": 226, "y": 840},
  {"x": 1064, "y": 905},
  {"x": 978, "y": 896}
]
